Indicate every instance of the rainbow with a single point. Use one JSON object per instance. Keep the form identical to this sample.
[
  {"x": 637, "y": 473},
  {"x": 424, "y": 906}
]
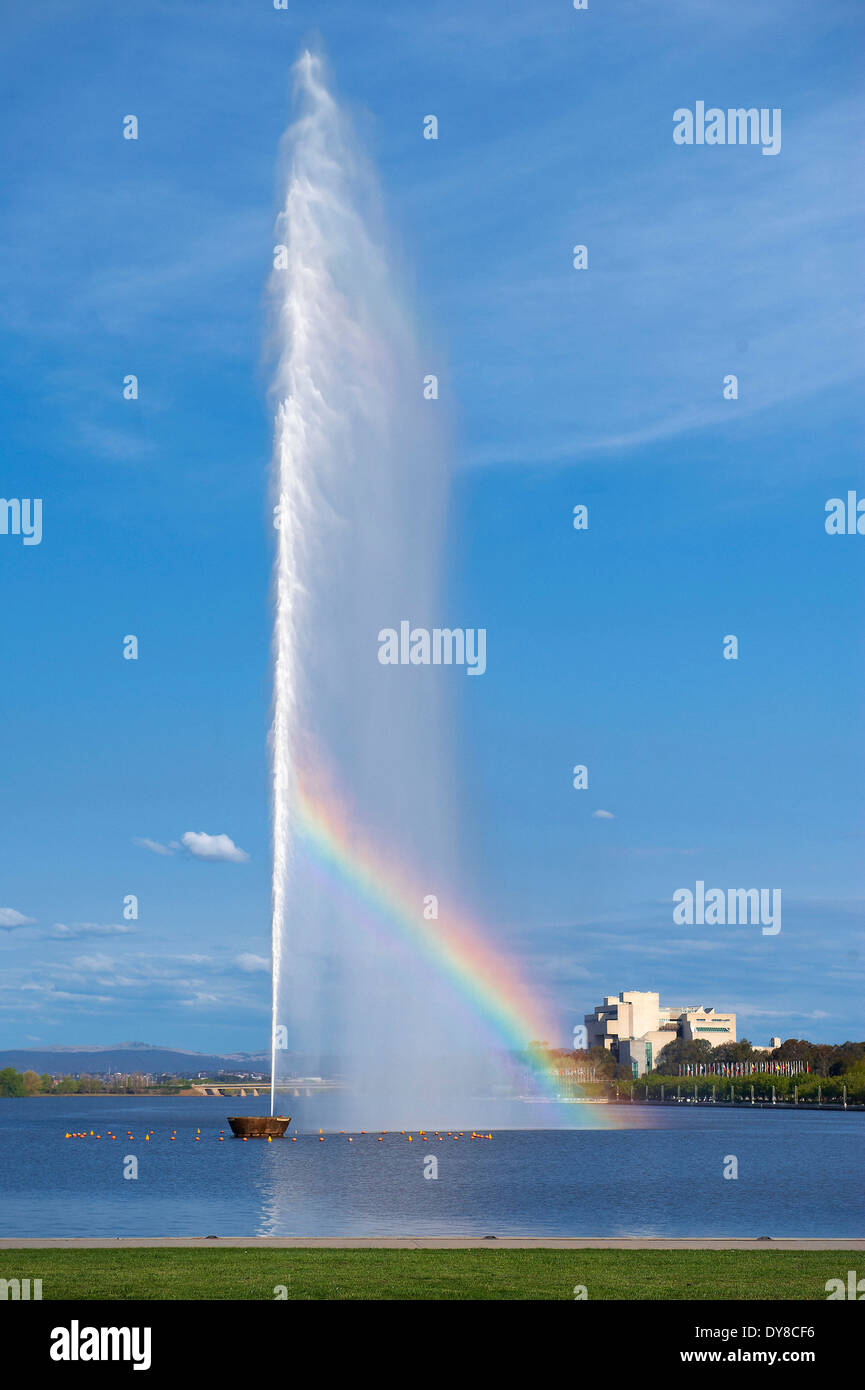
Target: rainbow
[{"x": 486, "y": 979}]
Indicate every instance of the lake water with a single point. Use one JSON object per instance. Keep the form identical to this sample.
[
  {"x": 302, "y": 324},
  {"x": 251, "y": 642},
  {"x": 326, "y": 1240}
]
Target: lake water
[{"x": 800, "y": 1174}]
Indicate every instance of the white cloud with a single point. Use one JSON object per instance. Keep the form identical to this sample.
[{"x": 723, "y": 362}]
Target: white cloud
[
  {"x": 205, "y": 846},
  {"x": 249, "y": 962},
  {"x": 153, "y": 845},
  {"x": 603, "y": 815},
  {"x": 9, "y": 918}
]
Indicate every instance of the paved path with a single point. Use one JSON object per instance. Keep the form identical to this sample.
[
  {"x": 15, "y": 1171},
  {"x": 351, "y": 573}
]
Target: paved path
[{"x": 426, "y": 1243}]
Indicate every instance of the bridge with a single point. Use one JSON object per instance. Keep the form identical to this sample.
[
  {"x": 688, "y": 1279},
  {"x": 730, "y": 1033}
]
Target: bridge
[{"x": 302, "y": 1086}]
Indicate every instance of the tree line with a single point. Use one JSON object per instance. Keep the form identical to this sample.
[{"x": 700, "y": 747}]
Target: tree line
[
  {"x": 825, "y": 1059},
  {"x": 30, "y": 1083},
  {"x": 834, "y": 1066}
]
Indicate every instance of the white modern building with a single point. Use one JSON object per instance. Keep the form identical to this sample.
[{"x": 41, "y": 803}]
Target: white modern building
[{"x": 635, "y": 1027}]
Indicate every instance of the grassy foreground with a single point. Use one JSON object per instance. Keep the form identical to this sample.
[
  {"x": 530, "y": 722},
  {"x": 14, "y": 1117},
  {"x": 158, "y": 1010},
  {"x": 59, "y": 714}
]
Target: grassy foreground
[{"x": 339, "y": 1275}]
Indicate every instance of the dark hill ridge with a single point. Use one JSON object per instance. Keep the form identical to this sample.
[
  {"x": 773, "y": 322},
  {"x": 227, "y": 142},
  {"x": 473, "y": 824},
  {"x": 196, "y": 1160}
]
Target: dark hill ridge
[{"x": 130, "y": 1057}]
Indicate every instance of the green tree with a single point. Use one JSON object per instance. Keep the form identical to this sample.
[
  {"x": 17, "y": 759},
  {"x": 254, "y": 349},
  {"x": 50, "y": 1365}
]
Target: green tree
[
  {"x": 603, "y": 1061},
  {"x": 740, "y": 1051},
  {"x": 679, "y": 1052},
  {"x": 12, "y": 1083},
  {"x": 846, "y": 1057},
  {"x": 89, "y": 1085}
]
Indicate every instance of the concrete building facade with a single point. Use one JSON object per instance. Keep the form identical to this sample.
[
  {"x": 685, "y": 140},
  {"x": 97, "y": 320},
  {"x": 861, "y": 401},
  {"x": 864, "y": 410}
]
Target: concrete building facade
[{"x": 635, "y": 1027}]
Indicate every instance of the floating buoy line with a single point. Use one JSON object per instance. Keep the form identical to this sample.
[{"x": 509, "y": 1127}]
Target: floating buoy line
[{"x": 426, "y": 1136}]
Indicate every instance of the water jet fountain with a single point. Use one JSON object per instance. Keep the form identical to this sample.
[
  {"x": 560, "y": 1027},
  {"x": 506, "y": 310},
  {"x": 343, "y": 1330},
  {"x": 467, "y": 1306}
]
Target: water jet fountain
[{"x": 406, "y": 1006}]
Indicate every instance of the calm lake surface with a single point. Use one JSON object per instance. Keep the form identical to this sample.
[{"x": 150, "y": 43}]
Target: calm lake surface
[{"x": 800, "y": 1174}]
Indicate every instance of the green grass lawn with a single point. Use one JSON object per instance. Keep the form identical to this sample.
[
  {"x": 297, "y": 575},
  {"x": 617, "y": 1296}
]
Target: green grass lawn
[{"x": 253, "y": 1273}]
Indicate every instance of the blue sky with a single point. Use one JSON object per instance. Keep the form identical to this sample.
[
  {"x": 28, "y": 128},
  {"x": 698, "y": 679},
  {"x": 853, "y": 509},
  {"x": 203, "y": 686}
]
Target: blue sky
[{"x": 601, "y": 387}]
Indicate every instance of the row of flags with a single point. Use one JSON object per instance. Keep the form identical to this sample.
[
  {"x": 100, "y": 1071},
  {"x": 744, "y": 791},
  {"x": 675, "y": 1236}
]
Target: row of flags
[{"x": 743, "y": 1068}]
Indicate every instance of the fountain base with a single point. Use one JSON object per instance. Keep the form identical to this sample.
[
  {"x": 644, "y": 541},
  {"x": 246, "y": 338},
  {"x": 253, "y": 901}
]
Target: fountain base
[{"x": 259, "y": 1126}]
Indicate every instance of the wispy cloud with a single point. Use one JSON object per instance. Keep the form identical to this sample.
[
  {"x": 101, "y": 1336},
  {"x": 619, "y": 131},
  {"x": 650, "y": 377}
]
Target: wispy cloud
[
  {"x": 251, "y": 963},
  {"x": 62, "y": 932},
  {"x": 108, "y": 980},
  {"x": 765, "y": 1011},
  {"x": 153, "y": 845},
  {"x": 10, "y": 919},
  {"x": 124, "y": 446},
  {"x": 717, "y": 245}
]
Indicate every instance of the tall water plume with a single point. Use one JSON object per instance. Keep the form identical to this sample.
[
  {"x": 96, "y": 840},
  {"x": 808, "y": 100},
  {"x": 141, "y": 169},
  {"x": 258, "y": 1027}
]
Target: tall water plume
[{"x": 360, "y": 487}]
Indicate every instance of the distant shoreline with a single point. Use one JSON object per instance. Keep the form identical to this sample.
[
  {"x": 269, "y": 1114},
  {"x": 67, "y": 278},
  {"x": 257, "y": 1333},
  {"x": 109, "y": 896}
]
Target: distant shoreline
[
  {"x": 123, "y": 1095},
  {"x": 809, "y": 1107}
]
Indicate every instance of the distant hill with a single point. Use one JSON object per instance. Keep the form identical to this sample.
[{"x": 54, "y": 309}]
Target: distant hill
[{"x": 134, "y": 1056}]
